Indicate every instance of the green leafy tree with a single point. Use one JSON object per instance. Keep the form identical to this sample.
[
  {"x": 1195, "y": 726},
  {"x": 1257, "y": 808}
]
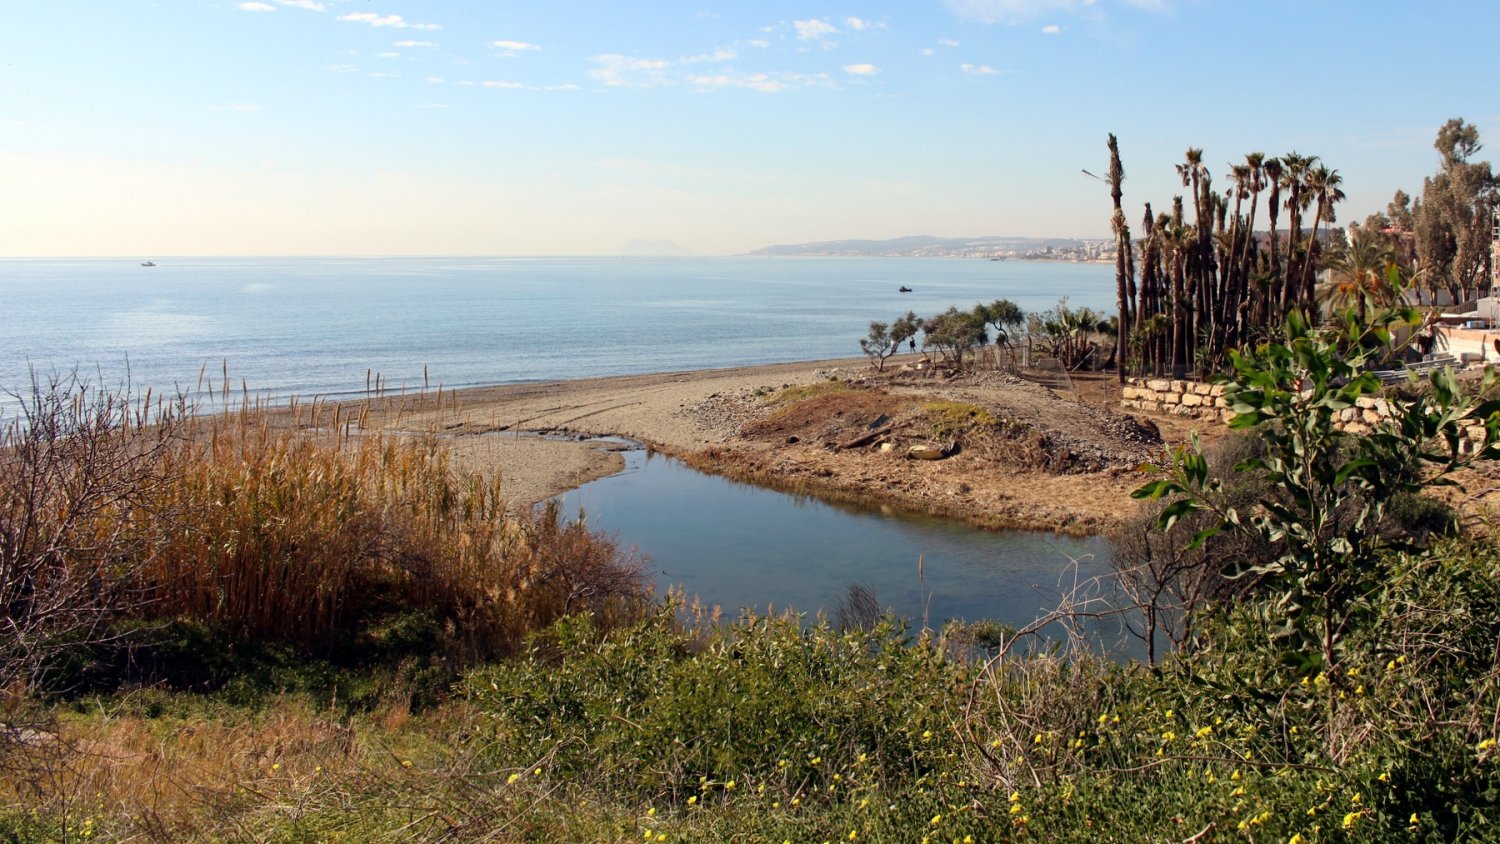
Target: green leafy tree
[
  {"x": 954, "y": 334},
  {"x": 879, "y": 344},
  {"x": 886, "y": 340},
  {"x": 1004, "y": 316},
  {"x": 1452, "y": 218}
]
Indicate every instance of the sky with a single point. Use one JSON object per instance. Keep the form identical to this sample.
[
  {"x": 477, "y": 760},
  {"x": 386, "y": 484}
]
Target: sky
[{"x": 501, "y": 127}]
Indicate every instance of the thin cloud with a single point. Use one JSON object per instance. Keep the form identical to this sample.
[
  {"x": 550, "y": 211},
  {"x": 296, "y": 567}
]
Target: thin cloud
[
  {"x": 513, "y": 47},
  {"x": 814, "y": 30},
  {"x": 1052, "y": 29},
  {"x": 257, "y": 7},
  {"x": 767, "y": 83},
  {"x": 978, "y": 70},
  {"x": 387, "y": 55},
  {"x": 619, "y": 71},
  {"x": 310, "y": 5},
  {"x": 414, "y": 44},
  {"x": 947, "y": 42},
  {"x": 758, "y": 43},
  {"x": 433, "y": 80},
  {"x": 496, "y": 83},
  {"x": 863, "y": 69},
  {"x": 392, "y": 21},
  {"x": 723, "y": 55},
  {"x": 861, "y": 25},
  {"x": 342, "y": 68}
]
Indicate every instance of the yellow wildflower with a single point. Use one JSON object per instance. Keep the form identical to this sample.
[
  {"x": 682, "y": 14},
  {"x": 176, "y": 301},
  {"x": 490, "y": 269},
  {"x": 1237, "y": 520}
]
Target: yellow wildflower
[{"x": 1350, "y": 819}]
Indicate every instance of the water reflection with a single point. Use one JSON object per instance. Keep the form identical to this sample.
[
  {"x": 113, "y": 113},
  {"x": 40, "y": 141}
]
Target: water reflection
[{"x": 740, "y": 546}]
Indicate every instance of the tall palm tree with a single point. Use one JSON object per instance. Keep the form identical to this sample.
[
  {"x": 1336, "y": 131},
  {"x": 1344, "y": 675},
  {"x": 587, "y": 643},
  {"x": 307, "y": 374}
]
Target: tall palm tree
[
  {"x": 1272, "y": 169},
  {"x": 1324, "y": 184},
  {"x": 1294, "y": 179}
]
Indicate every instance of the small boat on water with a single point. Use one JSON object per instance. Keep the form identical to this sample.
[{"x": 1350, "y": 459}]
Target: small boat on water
[
  {"x": 148, "y": 263},
  {"x": 904, "y": 289}
]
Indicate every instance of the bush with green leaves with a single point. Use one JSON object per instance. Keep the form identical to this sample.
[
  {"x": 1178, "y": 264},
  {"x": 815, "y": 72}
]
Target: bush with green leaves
[{"x": 1335, "y": 488}]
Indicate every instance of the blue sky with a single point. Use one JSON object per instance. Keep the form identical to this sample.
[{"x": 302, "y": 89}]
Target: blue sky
[{"x": 322, "y": 127}]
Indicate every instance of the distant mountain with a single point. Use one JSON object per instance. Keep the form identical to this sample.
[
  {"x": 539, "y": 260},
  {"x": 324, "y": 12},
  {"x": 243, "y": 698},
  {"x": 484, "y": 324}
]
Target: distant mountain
[{"x": 966, "y": 247}]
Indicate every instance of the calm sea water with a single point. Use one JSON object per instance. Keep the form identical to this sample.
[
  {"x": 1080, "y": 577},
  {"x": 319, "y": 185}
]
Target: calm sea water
[{"x": 315, "y": 326}]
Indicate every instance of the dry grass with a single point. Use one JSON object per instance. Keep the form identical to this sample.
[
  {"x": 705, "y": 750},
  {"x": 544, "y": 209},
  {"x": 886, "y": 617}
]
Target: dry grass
[{"x": 284, "y": 526}]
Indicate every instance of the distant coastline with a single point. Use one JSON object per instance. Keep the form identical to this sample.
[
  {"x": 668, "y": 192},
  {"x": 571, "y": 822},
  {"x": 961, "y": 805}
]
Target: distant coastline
[{"x": 1073, "y": 250}]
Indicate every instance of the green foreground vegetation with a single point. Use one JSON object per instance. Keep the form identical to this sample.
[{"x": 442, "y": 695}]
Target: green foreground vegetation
[{"x": 1341, "y": 685}]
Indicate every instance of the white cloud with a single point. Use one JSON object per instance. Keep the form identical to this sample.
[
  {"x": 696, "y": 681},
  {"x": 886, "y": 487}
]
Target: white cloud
[
  {"x": 310, "y": 5},
  {"x": 392, "y": 21},
  {"x": 947, "y": 42},
  {"x": 620, "y": 71},
  {"x": 564, "y": 87},
  {"x": 768, "y": 83},
  {"x": 434, "y": 80},
  {"x": 863, "y": 69},
  {"x": 759, "y": 43},
  {"x": 414, "y": 44},
  {"x": 857, "y": 24},
  {"x": 257, "y": 7},
  {"x": 387, "y": 55},
  {"x": 1052, "y": 29},
  {"x": 978, "y": 70},
  {"x": 928, "y": 51},
  {"x": 496, "y": 83},
  {"x": 814, "y": 30},
  {"x": 722, "y": 55},
  {"x": 429, "y": 27},
  {"x": 342, "y": 68},
  {"x": 383, "y": 75},
  {"x": 513, "y": 47}
]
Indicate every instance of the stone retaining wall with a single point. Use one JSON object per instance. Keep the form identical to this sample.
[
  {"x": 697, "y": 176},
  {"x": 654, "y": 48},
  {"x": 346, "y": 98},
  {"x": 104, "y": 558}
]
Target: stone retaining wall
[
  {"x": 1196, "y": 400},
  {"x": 1179, "y": 398}
]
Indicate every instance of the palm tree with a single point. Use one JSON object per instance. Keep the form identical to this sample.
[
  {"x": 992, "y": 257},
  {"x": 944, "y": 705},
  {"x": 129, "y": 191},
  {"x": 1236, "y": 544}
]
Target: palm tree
[
  {"x": 1324, "y": 184},
  {"x": 1361, "y": 274},
  {"x": 1272, "y": 169},
  {"x": 1294, "y": 179}
]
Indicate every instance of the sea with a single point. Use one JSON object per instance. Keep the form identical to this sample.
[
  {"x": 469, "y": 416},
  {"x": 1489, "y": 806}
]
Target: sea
[{"x": 283, "y": 327}]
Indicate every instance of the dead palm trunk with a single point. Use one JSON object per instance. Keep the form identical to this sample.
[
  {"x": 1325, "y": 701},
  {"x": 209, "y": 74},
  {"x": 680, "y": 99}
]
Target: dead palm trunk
[{"x": 1122, "y": 255}]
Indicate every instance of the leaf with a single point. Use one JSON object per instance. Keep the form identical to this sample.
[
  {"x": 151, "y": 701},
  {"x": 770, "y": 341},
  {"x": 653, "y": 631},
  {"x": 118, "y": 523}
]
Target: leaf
[
  {"x": 1203, "y": 536},
  {"x": 1156, "y": 489},
  {"x": 1176, "y": 510}
]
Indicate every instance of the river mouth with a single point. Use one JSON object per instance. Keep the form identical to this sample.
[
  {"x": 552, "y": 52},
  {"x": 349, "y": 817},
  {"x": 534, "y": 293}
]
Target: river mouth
[{"x": 739, "y": 546}]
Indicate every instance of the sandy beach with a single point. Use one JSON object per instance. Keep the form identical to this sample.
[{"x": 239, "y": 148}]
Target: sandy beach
[
  {"x": 1070, "y": 470},
  {"x": 486, "y": 427}
]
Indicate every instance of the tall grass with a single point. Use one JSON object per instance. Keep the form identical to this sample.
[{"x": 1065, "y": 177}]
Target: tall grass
[{"x": 264, "y": 529}]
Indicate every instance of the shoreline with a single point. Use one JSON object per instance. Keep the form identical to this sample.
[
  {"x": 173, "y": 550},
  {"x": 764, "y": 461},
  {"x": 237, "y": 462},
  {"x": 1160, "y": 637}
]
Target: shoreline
[
  {"x": 487, "y": 428},
  {"x": 697, "y": 416}
]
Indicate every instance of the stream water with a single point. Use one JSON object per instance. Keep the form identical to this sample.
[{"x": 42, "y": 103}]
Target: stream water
[{"x": 739, "y": 546}]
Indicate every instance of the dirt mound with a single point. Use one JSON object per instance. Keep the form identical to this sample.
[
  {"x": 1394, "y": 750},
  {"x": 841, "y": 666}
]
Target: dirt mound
[{"x": 828, "y": 418}]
